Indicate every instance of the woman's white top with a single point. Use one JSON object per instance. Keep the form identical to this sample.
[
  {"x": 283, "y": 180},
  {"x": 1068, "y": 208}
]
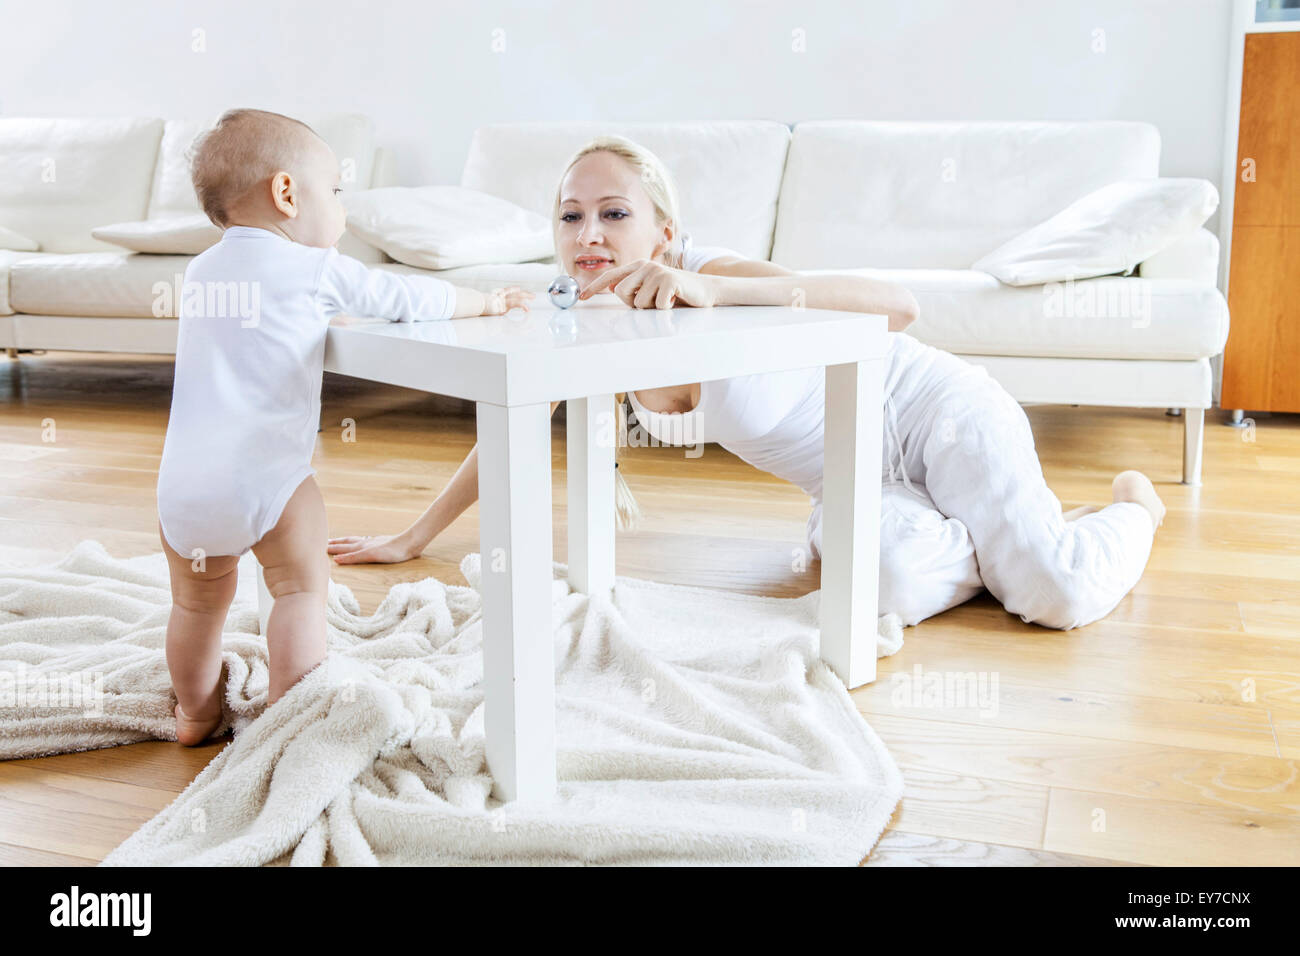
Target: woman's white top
[
  {"x": 776, "y": 420},
  {"x": 250, "y": 355}
]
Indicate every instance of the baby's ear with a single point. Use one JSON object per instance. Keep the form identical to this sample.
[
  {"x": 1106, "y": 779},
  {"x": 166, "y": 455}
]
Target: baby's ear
[{"x": 284, "y": 193}]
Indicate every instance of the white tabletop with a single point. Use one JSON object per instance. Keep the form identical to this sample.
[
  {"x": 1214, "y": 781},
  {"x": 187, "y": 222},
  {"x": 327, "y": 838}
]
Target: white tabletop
[{"x": 597, "y": 347}]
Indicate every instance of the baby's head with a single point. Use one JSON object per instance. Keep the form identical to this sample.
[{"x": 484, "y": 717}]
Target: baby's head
[{"x": 256, "y": 168}]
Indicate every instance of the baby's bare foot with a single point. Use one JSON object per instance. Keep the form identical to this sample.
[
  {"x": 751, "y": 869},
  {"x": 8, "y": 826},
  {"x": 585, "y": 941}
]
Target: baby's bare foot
[
  {"x": 191, "y": 731},
  {"x": 1079, "y": 512},
  {"x": 1136, "y": 487}
]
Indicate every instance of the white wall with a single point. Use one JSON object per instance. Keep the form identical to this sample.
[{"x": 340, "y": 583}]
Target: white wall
[{"x": 428, "y": 74}]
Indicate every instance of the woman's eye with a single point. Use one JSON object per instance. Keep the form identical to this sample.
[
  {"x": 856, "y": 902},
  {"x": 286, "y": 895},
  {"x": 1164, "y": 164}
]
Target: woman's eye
[
  {"x": 616, "y": 214},
  {"x": 568, "y": 217}
]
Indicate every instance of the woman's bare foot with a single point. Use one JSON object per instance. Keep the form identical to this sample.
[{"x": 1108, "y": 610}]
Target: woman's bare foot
[
  {"x": 1136, "y": 487},
  {"x": 191, "y": 731},
  {"x": 1079, "y": 512}
]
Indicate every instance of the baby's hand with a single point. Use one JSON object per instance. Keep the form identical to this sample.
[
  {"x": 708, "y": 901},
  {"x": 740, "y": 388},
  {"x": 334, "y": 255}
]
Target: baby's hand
[{"x": 501, "y": 301}]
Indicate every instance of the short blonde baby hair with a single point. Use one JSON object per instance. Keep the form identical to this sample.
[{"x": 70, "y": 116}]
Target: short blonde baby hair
[{"x": 245, "y": 148}]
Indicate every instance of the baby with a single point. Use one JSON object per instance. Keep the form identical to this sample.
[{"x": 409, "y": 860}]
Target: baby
[{"x": 236, "y": 468}]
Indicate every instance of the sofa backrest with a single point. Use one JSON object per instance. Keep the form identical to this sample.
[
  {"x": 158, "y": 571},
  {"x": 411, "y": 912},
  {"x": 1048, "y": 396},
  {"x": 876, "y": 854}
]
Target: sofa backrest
[
  {"x": 940, "y": 195},
  {"x": 350, "y": 135},
  {"x": 728, "y": 174},
  {"x": 60, "y": 178}
]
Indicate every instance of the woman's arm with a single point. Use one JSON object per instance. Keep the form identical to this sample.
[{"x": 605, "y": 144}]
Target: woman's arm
[
  {"x": 458, "y": 495},
  {"x": 730, "y": 280},
  {"x": 757, "y": 282}
]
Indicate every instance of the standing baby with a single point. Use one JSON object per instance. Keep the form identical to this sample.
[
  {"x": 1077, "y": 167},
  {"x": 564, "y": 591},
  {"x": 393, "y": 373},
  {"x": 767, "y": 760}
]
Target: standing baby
[{"x": 236, "y": 468}]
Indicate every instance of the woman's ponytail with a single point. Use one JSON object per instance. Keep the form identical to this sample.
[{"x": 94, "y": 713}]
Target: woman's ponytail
[{"x": 627, "y": 513}]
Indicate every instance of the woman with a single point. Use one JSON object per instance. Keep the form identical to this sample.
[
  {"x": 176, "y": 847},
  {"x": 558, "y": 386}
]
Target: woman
[{"x": 965, "y": 505}]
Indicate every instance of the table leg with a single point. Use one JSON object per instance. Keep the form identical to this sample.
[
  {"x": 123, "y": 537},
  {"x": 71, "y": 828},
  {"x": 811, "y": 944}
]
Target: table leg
[
  {"x": 591, "y": 432},
  {"x": 514, "y": 482},
  {"x": 851, "y": 519}
]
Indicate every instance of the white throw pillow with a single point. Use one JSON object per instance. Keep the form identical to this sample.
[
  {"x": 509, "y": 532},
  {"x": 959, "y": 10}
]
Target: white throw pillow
[
  {"x": 180, "y": 235},
  {"x": 14, "y": 242},
  {"x": 1107, "y": 231},
  {"x": 445, "y": 227}
]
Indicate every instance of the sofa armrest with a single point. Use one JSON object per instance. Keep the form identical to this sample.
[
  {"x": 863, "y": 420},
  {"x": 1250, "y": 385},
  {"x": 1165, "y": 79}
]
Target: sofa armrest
[
  {"x": 1195, "y": 256},
  {"x": 350, "y": 244},
  {"x": 384, "y": 171}
]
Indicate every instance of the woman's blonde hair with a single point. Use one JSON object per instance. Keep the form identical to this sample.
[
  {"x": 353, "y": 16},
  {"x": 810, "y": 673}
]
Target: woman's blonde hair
[
  {"x": 662, "y": 191},
  {"x": 627, "y": 513}
]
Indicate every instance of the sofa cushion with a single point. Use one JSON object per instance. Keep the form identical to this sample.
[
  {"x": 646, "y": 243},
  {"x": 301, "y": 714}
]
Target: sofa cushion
[
  {"x": 179, "y": 235},
  {"x": 123, "y": 284},
  {"x": 172, "y": 194},
  {"x": 728, "y": 174},
  {"x": 529, "y": 276},
  {"x": 444, "y": 227},
  {"x": 7, "y": 259},
  {"x": 1111, "y": 230},
  {"x": 11, "y": 241},
  {"x": 940, "y": 195},
  {"x": 971, "y": 313},
  {"x": 350, "y": 135},
  {"x": 1195, "y": 256},
  {"x": 60, "y": 178}
]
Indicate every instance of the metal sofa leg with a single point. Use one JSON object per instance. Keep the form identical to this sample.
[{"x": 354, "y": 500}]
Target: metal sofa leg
[{"x": 1193, "y": 442}]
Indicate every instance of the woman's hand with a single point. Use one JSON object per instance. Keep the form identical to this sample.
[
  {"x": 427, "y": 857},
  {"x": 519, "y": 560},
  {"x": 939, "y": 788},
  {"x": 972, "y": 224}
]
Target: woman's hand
[
  {"x": 645, "y": 284},
  {"x": 501, "y": 301},
  {"x": 374, "y": 549}
]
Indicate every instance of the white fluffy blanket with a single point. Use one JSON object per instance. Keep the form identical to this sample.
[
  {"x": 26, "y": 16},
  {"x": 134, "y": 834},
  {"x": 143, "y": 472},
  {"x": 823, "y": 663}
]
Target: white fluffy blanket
[{"x": 693, "y": 726}]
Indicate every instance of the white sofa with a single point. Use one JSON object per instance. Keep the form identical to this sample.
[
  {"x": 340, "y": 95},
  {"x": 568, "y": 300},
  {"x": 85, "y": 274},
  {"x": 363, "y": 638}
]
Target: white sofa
[
  {"x": 916, "y": 203},
  {"x": 61, "y": 178}
]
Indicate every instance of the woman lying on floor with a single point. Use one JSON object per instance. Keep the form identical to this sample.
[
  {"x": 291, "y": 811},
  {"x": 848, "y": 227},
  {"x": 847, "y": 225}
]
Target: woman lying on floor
[{"x": 965, "y": 505}]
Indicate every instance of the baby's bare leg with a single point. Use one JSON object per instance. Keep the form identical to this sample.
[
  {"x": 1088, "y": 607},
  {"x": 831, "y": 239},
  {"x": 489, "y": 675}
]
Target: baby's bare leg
[
  {"x": 200, "y": 600},
  {"x": 296, "y": 569}
]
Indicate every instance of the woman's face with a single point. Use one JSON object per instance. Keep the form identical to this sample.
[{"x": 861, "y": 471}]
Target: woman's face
[{"x": 606, "y": 219}]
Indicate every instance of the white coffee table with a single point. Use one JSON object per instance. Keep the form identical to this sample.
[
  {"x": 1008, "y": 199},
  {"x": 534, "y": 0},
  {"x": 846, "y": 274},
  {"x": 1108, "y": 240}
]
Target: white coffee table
[{"x": 513, "y": 367}]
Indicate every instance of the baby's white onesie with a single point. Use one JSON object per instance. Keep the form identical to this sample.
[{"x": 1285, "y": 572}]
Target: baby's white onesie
[{"x": 250, "y": 356}]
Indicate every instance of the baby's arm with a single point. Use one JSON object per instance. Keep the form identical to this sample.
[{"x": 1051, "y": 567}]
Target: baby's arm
[
  {"x": 471, "y": 302},
  {"x": 350, "y": 287}
]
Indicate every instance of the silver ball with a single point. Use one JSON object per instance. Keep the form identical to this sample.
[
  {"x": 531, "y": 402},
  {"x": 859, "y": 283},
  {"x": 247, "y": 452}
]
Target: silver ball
[{"x": 563, "y": 292}]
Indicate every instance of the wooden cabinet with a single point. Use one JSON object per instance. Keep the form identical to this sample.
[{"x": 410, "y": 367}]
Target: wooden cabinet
[{"x": 1261, "y": 362}]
